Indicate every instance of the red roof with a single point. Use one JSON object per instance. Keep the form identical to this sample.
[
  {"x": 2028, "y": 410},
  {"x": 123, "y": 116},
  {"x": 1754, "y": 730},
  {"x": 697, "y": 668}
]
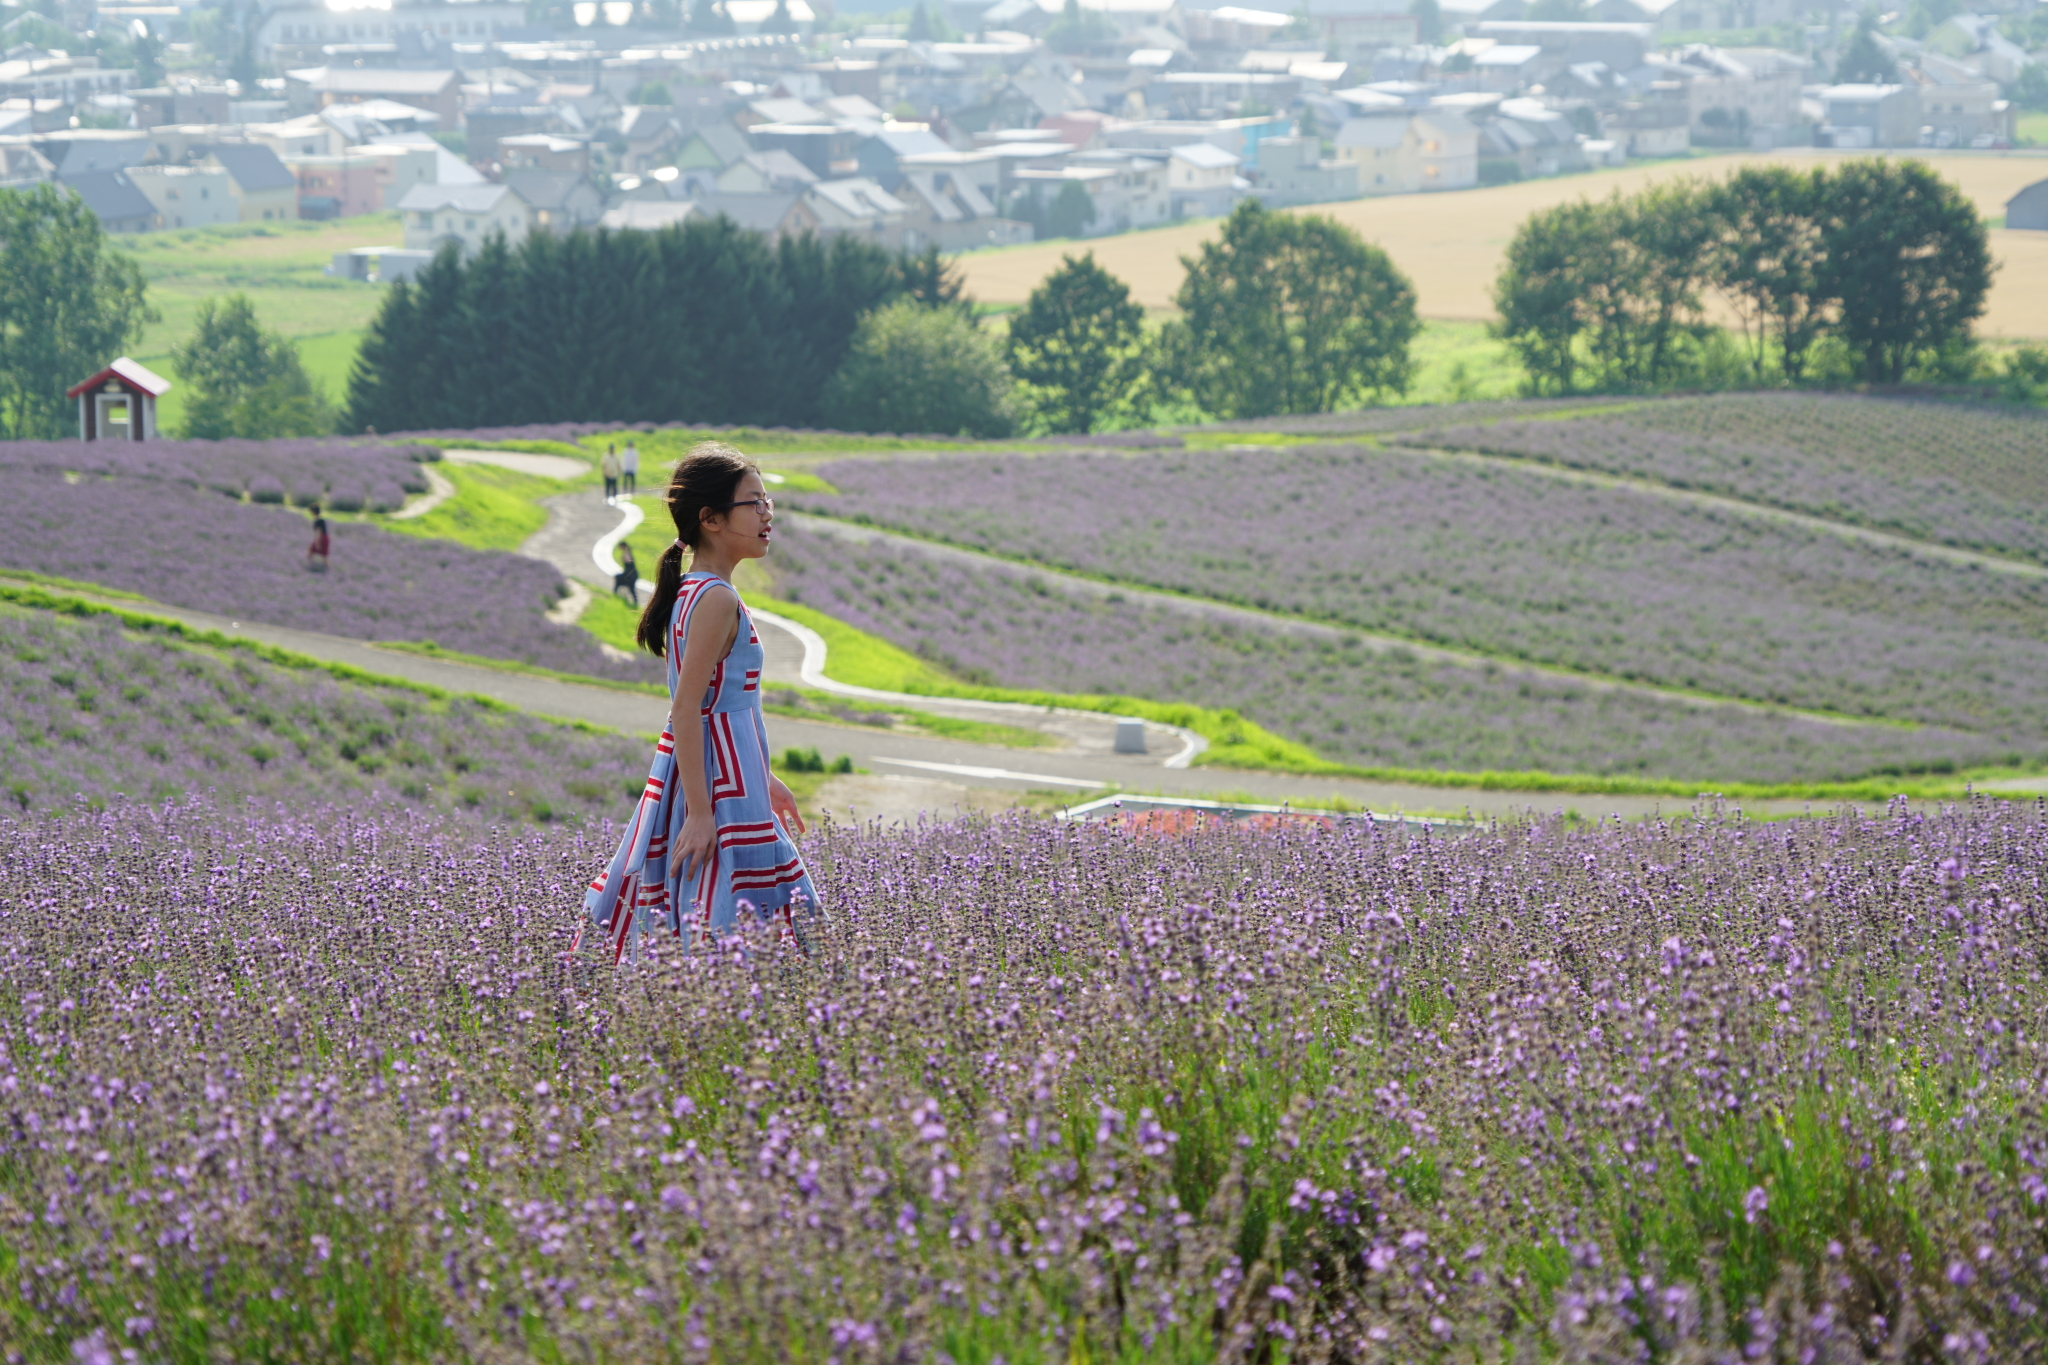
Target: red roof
[{"x": 129, "y": 372}]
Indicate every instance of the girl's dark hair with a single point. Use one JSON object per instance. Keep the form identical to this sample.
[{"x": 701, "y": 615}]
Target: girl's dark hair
[{"x": 703, "y": 482}]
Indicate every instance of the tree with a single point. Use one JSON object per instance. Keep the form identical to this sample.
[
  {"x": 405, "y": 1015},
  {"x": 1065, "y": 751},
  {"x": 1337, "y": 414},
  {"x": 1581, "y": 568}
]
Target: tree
[
  {"x": 933, "y": 281},
  {"x": 1612, "y": 287},
  {"x": 245, "y": 381},
  {"x": 1864, "y": 59},
  {"x": 1768, "y": 259},
  {"x": 2030, "y": 90},
  {"x": 780, "y": 20},
  {"x": 149, "y": 58},
  {"x": 1071, "y": 211},
  {"x": 1908, "y": 258},
  {"x": 651, "y": 92},
  {"x": 242, "y": 70},
  {"x": 1429, "y": 19},
  {"x": 916, "y": 369},
  {"x": 1076, "y": 344},
  {"x": 709, "y": 16},
  {"x": 1289, "y": 313},
  {"x": 1077, "y": 29},
  {"x": 68, "y": 305}
]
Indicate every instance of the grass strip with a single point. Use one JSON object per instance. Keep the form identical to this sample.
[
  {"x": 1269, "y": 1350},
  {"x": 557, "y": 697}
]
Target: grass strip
[
  {"x": 427, "y": 649},
  {"x": 493, "y": 509}
]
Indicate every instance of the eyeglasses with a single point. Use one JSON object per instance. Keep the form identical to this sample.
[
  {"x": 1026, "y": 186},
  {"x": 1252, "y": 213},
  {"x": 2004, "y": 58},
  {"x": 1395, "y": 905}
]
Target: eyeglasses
[{"x": 763, "y": 506}]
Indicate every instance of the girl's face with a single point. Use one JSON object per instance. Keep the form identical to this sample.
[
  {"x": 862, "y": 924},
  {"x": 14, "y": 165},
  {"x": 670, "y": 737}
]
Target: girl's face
[{"x": 744, "y": 529}]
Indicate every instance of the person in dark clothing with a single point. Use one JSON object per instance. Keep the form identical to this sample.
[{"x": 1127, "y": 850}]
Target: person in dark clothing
[{"x": 628, "y": 576}]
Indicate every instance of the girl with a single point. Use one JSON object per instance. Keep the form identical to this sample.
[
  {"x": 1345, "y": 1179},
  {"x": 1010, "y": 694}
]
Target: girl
[
  {"x": 709, "y": 833},
  {"x": 628, "y": 576}
]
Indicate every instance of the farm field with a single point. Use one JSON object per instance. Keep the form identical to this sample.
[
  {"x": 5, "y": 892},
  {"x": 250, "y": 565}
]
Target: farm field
[
  {"x": 1067, "y": 1093},
  {"x": 1451, "y": 244},
  {"x": 1349, "y": 702},
  {"x": 1940, "y": 472},
  {"x": 1508, "y": 563},
  {"x": 100, "y": 710}
]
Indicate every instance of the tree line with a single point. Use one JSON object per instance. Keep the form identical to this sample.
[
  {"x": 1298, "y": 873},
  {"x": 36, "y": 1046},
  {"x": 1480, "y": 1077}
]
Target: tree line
[
  {"x": 1869, "y": 272},
  {"x": 702, "y": 322}
]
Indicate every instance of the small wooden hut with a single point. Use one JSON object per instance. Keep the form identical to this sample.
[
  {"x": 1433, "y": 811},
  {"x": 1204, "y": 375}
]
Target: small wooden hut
[{"x": 119, "y": 403}]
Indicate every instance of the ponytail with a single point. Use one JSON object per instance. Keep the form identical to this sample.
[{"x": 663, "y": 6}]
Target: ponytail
[
  {"x": 702, "y": 484},
  {"x": 667, "y": 583}
]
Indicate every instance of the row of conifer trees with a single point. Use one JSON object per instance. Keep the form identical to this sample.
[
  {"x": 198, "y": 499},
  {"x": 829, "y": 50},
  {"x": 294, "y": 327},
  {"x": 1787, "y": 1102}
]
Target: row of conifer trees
[{"x": 705, "y": 322}]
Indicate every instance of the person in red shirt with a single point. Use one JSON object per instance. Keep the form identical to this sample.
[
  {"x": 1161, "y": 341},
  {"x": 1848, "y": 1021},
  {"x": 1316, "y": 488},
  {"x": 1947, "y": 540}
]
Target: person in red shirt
[{"x": 316, "y": 553}]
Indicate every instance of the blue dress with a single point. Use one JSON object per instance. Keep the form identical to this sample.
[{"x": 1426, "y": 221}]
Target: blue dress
[{"x": 757, "y": 868}]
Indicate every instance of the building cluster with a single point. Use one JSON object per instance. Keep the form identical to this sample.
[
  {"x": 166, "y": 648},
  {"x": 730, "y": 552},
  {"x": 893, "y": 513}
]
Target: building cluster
[{"x": 979, "y": 123}]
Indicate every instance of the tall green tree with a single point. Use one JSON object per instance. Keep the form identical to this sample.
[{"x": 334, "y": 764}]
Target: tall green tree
[
  {"x": 1608, "y": 293},
  {"x": 1909, "y": 260},
  {"x": 149, "y": 59},
  {"x": 1286, "y": 312},
  {"x": 68, "y": 304},
  {"x": 1864, "y": 59},
  {"x": 1768, "y": 260},
  {"x": 243, "y": 380},
  {"x": 1070, "y": 212},
  {"x": 1429, "y": 19},
  {"x": 922, "y": 370},
  {"x": 1076, "y": 345}
]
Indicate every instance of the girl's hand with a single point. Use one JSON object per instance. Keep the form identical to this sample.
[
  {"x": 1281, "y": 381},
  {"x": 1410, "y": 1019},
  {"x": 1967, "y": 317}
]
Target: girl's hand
[
  {"x": 784, "y": 805},
  {"x": 697, "y": 846}
]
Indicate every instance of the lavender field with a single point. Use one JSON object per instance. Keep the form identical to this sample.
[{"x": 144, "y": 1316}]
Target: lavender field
[
  {"x": 91, "y": 711},
  {"x": 1515, "y": 565},
  {"x": 1942, "y": 472},
  {"x": 194, "y": 548},
  {"x": 346, "y": 476},
  {"x": 1347, "y": 702},
  {"x": 316, "y": 1087}
]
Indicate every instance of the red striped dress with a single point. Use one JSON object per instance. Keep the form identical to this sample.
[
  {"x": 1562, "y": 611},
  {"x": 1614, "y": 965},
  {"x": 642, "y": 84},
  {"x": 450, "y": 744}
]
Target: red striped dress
[{"x": 757, "y": 869}]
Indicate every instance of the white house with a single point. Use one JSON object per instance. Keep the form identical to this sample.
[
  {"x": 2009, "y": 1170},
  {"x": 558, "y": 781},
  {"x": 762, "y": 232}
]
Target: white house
[
  {"x": 465, "y": 214},
  {"x": 1202, "y": 180},
  {"x": 189, "y": 196}
]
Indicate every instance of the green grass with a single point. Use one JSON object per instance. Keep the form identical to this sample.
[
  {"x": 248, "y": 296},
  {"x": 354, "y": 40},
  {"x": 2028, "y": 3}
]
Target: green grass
[
  {"x": 278, "y": 265},
  {"x": 1460, "y": 362},
  {"x": 2033, "y": 129},
  {"x": 493, "y": 509}
]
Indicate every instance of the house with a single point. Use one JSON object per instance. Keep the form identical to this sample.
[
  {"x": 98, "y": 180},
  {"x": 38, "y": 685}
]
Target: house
[
  {"x": 187, "y": 196},
  {"x": 31, "y": 73},
  {"x": 308, "y": 135},
  {"x": 1386, "y": 152},
  {"x": 21, "y": 165},
  {"x": 115, "y": 201},
  {"x": 880, "y": 158},
  {"x": 1957, "y": 107},
  {"x": 438, "y": 92},
  {"x": 1202, "y": 180},
  {"x": 857, "y": 206},
  {"x": 86, "y": 151},
  {"x": 561, "y": 201},
  {"x": 119, "y": 403},
  {"x": 337, "y": 186},
  {"x": 712, "y": 147},
  {"x": 265, "y": 189},
  {"x": 651, "y": 135},
  {"x": 773, "y": 172},
  {"x": 951, "y": 213},
  {"x": 1738, "y": 96},
  {"x": 436, "y": 215},
  {"x": 1446, "y": 151},
  {"x": 544, "y": 152},
  {"x": 303, "y": 29},
  {"x": 379, "y": 264},
  {"x": 2028, "y": 210},
  {"x": 648, "y": 215},
  {"x": 1355, "y": 30},
  {"x": 1870, "y": 116},
  {"x": 1292, "y": 170},
  {"x": 777, "y": 215}
]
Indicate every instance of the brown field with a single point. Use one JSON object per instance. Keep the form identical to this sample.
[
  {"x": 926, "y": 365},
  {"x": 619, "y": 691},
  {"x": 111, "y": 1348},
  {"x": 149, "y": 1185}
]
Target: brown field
[{"x": 1451, "y": 244}]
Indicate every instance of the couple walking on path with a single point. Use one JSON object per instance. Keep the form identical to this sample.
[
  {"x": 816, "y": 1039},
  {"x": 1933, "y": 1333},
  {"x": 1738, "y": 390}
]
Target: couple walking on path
[
  {"x": 618, "y": 469},
  {"x": 709, "y": 840}
]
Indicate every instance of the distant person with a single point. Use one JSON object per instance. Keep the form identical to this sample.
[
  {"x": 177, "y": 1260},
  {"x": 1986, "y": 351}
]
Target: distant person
[
  {"x": 629, "y": 468},
  {"x": 628, "y": 576},
  {"x": 316, "y": 553},
  {"x": 609, "y": 467}
]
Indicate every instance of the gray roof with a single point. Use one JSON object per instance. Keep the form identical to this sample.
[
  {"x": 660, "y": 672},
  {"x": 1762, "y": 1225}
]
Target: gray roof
[
  {"x": 725, "y": 140},
  {"x": 112, "y": 196},
  {"x": 1372, "y": 132},
  {"x": 547, "y": 189},
  {"x": 760, "y": 212},
  {"x": 253, "y": 166},
  {"x": 858, "y": 197},
  {"x": 639, "y": 122},
  {"x": 86, "y": 151},
  {"x": 461, "y": 198},
  {"x": 904, "y": 142},
  {"x": 777, "y": 165}
]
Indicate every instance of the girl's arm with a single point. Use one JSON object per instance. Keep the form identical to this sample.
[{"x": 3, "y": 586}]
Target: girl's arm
[{"x": 713, "y": 622}]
